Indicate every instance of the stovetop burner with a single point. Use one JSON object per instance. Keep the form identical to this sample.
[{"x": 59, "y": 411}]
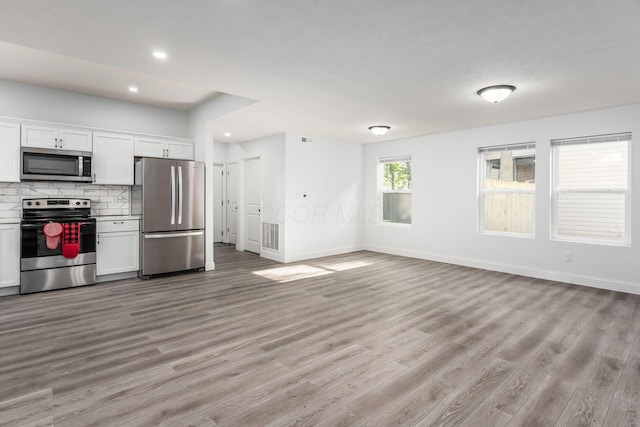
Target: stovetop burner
[{"x": 54, "y": 208}]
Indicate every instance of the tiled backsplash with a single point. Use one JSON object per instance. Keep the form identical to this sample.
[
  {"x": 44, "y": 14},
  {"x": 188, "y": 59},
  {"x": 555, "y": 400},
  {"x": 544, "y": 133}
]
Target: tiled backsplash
[{"x": 105, "y": 199}]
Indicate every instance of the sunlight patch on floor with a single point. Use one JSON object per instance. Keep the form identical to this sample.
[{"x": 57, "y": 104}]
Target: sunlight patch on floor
[
  {"x": 349, "y": 265},
  {"x": 291, "y": 273}
]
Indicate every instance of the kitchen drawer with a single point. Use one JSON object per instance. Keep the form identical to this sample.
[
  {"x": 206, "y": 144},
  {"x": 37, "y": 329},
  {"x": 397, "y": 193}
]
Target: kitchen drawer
[{"x": 117, "y": 225}]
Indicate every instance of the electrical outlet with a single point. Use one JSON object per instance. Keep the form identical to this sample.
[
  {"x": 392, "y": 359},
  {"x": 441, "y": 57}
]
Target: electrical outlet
[{"x": 568, "y": 257}]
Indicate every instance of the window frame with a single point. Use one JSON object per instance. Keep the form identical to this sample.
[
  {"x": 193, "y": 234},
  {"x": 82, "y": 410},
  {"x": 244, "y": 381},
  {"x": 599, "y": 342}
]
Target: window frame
[
  {"x": 380, "y": 172},
  {"x": 555, "y": 145},
  {"x": 530, "y": 148}
]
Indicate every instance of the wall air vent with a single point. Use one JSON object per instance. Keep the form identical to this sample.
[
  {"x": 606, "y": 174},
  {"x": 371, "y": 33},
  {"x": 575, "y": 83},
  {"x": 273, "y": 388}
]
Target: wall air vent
[
  {"x": 306, "y": 140},
  {"x": 271, "y": 236}
]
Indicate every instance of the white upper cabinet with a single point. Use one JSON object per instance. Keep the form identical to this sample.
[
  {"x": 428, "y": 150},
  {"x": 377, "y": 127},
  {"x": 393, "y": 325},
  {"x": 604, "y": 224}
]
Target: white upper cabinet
[
  {"x": 74, "y": 139},
  {"x": 167, "y": 148},
  {"x": 180, "y": 150},
  {"x": 10, "y": 158},
  {"x": 112, "y": 162},
  {"x": 57, "y": 138}
]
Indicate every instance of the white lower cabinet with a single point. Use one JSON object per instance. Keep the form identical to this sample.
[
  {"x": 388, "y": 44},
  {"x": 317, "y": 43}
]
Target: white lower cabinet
[
  {"x": 9, "y": 255},
  {"x": 118, "y": 246}
]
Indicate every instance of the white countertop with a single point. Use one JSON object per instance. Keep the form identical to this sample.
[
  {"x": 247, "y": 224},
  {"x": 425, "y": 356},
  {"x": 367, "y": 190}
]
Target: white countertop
[{"x": 117, "y": 217}]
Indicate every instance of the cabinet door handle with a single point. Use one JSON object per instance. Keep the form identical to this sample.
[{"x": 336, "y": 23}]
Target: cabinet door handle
[
  {"x": 118, "y": 222},
  {"x": 56, "y": 142},
  {"x": 60, "y": 142},
  {"x": 98, "y": 239},
  {"x": 94, "y": 177}
]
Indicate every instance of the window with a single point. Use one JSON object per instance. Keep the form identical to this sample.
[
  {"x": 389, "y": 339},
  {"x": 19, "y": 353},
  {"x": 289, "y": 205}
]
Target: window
[
  {"x": 591, "y": 189},
  {"x": 395, "y": 188},
  {"x": 507, "y": 189}
]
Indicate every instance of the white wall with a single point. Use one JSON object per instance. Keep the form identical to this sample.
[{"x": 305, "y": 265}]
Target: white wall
[
  {"x": 26, "y": 101},
  {"x": 271, "y": 151},
  {"x": 445, "y": 209},
  {"x": 219, "y": 153},
  {"x": 201, "y": 129},
  {"x": 326, "y": 221}
]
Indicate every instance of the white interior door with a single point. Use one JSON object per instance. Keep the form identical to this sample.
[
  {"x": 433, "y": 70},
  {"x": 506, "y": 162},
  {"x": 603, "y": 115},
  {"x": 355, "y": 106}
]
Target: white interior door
[
  {"x": 253, "y": 202},
  {"x": 232, "y": 203},
  {"x": 218, "y": 203}
]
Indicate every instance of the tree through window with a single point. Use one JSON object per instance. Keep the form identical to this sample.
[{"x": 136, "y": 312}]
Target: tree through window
[{"x": 395, "y": 189}]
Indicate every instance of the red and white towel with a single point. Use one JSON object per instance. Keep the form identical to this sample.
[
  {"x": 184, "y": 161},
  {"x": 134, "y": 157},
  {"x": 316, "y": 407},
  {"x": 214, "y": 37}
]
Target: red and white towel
[{"x": 70, "y": 240}]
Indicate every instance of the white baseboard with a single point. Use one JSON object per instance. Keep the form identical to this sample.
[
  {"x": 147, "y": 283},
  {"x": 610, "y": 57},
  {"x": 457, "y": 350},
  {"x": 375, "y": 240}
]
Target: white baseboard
[
  {"x": 272, "y": 255},
  {"x": 9, "y": 290},
  {"x": 117, "y": 276},
  {"x": 319, "y": 254},
  {"x": 593, "y": 282},
  {"x": 210, "y": 266}
]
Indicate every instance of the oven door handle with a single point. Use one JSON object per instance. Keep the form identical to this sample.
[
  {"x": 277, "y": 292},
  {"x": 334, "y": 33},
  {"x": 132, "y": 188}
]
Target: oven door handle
[{"x": 29, "y": 226}]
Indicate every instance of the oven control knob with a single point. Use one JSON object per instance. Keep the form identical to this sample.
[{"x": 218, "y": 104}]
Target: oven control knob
[
  {"x": 37, "y": 203},
  {"x": 29, "y": 203},
  {"x": 84, "y": 203},
  {"x": 78, "y": 203}
]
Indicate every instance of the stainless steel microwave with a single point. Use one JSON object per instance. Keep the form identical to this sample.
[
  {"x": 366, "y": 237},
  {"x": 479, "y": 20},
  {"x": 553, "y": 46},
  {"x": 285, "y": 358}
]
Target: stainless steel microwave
[{"x": 44, "y": 164}]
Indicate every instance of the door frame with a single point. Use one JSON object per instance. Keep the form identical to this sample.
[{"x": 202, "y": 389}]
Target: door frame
[
  {"x": 239, "y": 164},
  {"x": 223, "y": 194}
]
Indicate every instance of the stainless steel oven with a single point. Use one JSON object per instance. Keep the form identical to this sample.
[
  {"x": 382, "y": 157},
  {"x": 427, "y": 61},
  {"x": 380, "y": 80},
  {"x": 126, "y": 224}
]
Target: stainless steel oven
[{"x": 44, "y": 264}]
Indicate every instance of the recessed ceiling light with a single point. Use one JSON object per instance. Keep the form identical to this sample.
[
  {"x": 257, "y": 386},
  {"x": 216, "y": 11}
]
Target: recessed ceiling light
[
  {"x": 379, "y": 130},
  {"x": 158, "y": 54},
  {"x": 227, "y": 134},
  {"x": 496, "y": 93},
  {"x": 133, "y": 89}
]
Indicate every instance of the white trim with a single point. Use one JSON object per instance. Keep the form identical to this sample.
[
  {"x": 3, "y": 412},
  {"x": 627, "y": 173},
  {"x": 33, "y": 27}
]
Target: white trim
[
  {"x": 210, "y": 266},
  {"x": 507, "y": 234},
  {"x": 555, "y": 190},
  {"x": 590, "y": 281},
  {"x": 394, "y": 159},
  {"x": 393, "y": 224},
  {"x": 117, "y": 276},
  {"x": 326, "y": 252},
  {"x": 9, "y": 290},
  {"x": 272, "y": 255},
  {"x": 381, "y": 191},
  {"x": 522, "y": 150}
]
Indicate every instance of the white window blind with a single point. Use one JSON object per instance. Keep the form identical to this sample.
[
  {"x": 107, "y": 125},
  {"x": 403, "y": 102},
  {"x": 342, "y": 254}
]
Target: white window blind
[
  {"x": 591, "y": 189},
  {"x": 395, "y": 159}
]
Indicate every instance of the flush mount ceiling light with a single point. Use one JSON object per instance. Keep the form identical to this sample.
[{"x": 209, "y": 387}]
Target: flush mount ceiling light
[
  {"x": 227, "y": 134},
  {"x": 379, "y": 130},
  {"x": 496, "y": 93},
  {"x": 133, "y": 89},
  {"x": 158, "y": 54}
]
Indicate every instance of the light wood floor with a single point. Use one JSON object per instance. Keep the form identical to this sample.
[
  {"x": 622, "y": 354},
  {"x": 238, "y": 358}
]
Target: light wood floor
[{"x": 359, "y": 339}]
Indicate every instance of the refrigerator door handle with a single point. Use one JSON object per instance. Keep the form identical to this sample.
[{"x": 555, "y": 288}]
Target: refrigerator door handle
[
  {"x": 173, "y": 195},
  {"x": 179, "y": 194},
  {"x": 170, "y": 235}
]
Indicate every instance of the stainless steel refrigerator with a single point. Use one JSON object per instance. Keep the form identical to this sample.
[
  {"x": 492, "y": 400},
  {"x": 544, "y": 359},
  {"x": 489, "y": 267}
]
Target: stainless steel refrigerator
[{"x": 172, "y": 207}]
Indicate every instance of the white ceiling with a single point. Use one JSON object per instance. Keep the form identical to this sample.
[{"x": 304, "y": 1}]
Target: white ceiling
[{"x": 332, "y": 67}]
